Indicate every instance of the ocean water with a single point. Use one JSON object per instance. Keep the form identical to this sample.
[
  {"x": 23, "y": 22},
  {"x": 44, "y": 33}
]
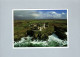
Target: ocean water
[{"x": 53, "y": 41}]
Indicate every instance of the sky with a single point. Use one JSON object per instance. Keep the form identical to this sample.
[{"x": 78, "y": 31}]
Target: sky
[{"x": 39, "y": 14}]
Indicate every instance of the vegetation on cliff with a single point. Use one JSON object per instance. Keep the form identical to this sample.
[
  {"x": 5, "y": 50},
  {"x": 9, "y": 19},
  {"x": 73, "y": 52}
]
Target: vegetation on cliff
[{"x": 39, "y": 29}]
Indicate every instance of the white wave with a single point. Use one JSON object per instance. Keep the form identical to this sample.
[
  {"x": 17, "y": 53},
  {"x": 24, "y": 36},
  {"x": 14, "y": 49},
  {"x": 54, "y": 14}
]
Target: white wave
[
  {"x": 51, "y": 39},
  {"x": 55, "y": 38},
  {"x": 39, "y": 42}
]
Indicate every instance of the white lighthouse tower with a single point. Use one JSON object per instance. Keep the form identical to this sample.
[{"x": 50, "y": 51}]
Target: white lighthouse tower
[{"x": 44, "y": 25}]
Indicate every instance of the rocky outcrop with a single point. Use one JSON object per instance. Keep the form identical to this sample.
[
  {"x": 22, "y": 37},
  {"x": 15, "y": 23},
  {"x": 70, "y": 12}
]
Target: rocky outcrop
[
  {"x": 40, "y": 35},
  {"x": 60, "y": 32}
]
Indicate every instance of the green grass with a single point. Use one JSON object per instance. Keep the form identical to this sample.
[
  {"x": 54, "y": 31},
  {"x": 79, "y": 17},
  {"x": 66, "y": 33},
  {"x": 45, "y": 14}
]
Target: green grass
[{"x": 22, "y": 26}]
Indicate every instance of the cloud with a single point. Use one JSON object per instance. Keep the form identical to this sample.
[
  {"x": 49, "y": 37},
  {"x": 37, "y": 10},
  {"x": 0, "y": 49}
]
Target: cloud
[
  {"x": 25, "y": 14},
  {"x": 63, "y": 13},
  {"x": 33, "y": 14},
  {"x": 52, "y": 15}
]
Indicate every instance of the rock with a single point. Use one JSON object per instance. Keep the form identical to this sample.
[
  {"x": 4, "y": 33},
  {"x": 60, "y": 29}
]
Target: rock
[
  {"x": 60, "y": 32},
  {"x": 30, "y": 32}
]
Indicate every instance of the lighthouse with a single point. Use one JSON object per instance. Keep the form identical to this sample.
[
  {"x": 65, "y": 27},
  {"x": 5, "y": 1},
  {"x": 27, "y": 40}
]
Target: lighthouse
[{"x": 44, "y": 25}]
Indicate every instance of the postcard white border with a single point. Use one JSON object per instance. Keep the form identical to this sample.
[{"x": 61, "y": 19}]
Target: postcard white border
[{"x": 37, "y": 47}]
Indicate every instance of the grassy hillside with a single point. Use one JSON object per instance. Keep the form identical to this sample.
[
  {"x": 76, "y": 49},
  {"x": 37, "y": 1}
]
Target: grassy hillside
[{"x": 39, "y": 29}]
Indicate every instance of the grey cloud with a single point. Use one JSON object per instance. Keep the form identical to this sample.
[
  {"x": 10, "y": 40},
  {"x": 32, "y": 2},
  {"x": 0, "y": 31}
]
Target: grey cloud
[
  {"x": 33, "y": 14},
  {"x": 24, "y": 14}
]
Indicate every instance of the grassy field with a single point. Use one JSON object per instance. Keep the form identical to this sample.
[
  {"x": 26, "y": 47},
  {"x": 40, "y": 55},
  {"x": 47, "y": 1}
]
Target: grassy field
[{"x": 39, "y": 29}]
